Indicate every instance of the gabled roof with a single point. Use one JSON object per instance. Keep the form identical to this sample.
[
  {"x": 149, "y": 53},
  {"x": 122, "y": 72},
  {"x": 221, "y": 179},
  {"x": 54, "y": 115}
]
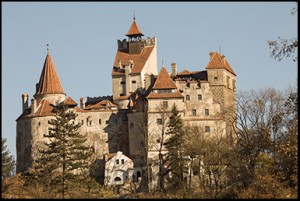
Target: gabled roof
[
  {"x": 164, "y": 81},
  {"x": 219, "y": 61},
  {"x": 104, "y": 104},
  {"x": 134, "y": 30},
  {"x": 49, "y": 82},
  {"x": 185, "y": 72},
  {"x": 139, "y": 60},
  {"x": 70, "y": 101}
]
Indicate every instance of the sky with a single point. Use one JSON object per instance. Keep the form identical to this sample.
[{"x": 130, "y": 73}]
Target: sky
[{"x": 82, "y": 38}]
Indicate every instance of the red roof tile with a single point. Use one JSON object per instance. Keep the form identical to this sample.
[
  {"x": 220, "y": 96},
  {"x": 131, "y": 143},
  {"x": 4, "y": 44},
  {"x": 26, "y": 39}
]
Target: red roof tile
[
  {"x": 49, "y": 82},
  {"x": 164, "y": 81},
  {"x": 134, "y": 30},
  {"x": 70, "y": 101},
  {"x": 139, "y": 60},
  {"x": 219, "y": 61},
  {"x": 185, "y": 72},
  {"x": 101, "y": 105}
]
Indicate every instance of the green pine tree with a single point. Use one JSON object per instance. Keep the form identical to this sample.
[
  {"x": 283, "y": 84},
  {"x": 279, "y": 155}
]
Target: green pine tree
[
  {"x": 64, "y": 160},
  {"x": 174, "y": 145},
  {"x": 8, "y": 164}
]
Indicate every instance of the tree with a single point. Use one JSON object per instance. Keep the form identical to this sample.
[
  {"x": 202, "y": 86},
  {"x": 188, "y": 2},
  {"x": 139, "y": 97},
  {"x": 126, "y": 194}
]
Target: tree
[
  {"x": 7, "y": 161},
  {"x": 65, "y": 156},
  {"x": 284, "y": 47},
  {"x": 174, "y": 146},
  {"x": 268, "y": 127},
  {"x": 287, "y": 143}
]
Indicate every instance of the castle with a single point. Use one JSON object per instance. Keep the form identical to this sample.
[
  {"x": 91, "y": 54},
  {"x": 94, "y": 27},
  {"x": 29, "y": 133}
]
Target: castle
[{"x": 134, "y": 116}]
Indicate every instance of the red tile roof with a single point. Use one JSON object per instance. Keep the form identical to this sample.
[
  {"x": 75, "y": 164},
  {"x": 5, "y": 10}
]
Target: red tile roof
[
  {"x": 49, "y": 82},
  {"x": 164, "y": 81},
  {"x": 101, "y": 105},
  {"x": 134, "y": 30},
  {"x": 70, "y": 101},
  {"x": 185, "y": 72},
  {"x": 121, "y": 98},
  {"x": 139, "y": 60},
  {"x": 219, "y": 61}
]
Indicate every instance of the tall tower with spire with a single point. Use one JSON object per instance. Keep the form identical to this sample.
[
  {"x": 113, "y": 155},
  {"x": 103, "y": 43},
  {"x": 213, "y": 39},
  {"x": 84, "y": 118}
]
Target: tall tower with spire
[
  {"x": 33, "y": 122},
  {"x": 135, "y": 59}
]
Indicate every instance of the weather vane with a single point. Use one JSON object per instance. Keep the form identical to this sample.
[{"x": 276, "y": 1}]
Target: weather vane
[
  {"x": 134, "y": 15},
  {"x": 48, "y": 47}
]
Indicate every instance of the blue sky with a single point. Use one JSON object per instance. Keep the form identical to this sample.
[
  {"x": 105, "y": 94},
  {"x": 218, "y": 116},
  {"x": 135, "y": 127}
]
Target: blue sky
[{"x": 82, "y": 39}]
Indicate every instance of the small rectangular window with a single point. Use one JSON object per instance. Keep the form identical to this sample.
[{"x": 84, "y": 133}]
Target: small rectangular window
[
  {"x": 207, "y": 129},
  {"x": 100, "y": 121},
  {"x": 206, "y": 112},
  {"x": 199, "y": 97},
  {"x": 228, "y": 85},
  {"x": 117, "y": 161},
  {"x": 133, "y": 81},
  {"x": 194, "y": 112},
  {"x": 122, "y": 161},
  {"x": 159, "y": 121},
  {"x": 107, "y": 121},
  {"x": 165, "y": 103}
]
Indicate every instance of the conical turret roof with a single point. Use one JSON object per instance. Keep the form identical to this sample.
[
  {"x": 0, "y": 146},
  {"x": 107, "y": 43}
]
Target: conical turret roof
[
  {"x": 49, "y": 81},
  {"x": 134, "y": 30}
]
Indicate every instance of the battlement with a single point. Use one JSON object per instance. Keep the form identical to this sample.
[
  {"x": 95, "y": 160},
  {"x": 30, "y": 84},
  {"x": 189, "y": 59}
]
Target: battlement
[{"x": 124, "y": 45}]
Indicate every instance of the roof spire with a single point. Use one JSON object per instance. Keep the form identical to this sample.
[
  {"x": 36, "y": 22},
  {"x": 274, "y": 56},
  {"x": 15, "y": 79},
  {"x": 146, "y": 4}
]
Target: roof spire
[{"x": 133, "y": 15}]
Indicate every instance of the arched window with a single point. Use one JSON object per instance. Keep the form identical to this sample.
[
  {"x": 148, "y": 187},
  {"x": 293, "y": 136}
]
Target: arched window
[
  {"x": 187, "y": 97},
  {"x": 118, "y": 179},
  {"x": 138, "y": 174}
]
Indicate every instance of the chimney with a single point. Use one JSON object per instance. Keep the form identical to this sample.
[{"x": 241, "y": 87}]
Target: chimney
[
  {"x": 119, "y": 63},
  {"x": 82, "y": 103},
  {"x": 174, "y": 69},
  {"x": 24, "y": 102},
  {"x": 33, "y": 106},
  {"x": 211, "y": 55}
]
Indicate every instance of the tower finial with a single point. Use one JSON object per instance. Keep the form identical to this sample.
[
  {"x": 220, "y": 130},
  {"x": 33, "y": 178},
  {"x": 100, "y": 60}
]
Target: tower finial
[
  {"x": 47, "y": 47},
  {"x": 134, "y": 15}
]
